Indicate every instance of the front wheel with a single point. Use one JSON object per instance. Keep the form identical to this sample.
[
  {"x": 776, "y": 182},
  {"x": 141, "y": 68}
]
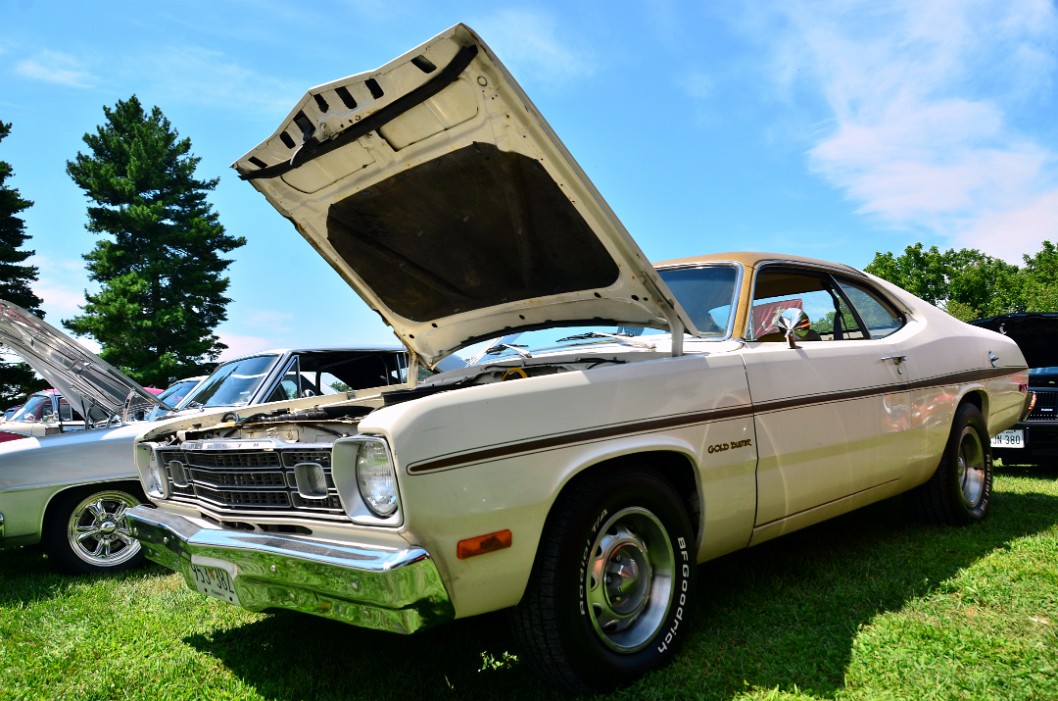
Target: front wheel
[
  {"x": 88, "y": 532},
  {"x": 960, "y": 491},
  {"x": 611, "y": 589}
]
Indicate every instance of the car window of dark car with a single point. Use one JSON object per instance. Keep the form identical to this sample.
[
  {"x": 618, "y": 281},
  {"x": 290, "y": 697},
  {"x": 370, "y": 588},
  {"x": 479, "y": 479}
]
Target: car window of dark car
[
  {"x": 311, "y": 374},
  {"x": 231, "y": 384}
]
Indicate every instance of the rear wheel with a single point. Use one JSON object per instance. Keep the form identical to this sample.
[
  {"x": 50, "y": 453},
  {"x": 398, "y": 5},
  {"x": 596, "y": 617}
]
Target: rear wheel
[
  {"x": 88, "y": 532},
  {"x": 960, "y": 491},
  {"x": 611, "y": 588}
]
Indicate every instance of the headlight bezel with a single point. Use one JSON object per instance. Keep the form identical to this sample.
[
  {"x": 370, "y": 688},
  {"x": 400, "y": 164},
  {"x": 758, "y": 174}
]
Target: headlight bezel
[
  {"x": 154, "y": 477},
  {"x": 368, "y": 499}
]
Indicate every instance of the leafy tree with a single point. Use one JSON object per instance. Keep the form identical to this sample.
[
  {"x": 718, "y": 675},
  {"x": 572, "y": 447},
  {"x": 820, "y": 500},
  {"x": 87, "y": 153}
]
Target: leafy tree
[
  {"x": 980, "y": 285},
  {"x": 162, "y": 288},
  {"x": 967, "y": 283},
  {"x": 922, "y": 273},
  {"x": 16, "y": 378},
  {"x": 1041, "y": 279}
]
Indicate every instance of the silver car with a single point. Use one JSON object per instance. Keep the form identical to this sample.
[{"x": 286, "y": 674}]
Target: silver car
[{"x": 69, "y": 492}]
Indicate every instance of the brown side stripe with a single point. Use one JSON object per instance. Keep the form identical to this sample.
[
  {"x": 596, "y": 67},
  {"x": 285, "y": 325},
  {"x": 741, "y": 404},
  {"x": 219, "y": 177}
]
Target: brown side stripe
[{"x": 670, "y": 422}]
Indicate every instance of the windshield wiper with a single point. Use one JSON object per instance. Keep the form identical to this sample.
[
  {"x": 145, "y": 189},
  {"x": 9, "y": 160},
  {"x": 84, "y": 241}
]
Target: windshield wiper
[
  {"x": 619, "y": 337},
  {"x": 500, "y": 347}
]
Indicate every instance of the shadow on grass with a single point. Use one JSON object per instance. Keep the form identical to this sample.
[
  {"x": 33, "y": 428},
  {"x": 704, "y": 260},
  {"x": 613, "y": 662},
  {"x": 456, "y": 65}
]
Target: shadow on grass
[
  {"x": 26, "y": 574},
  {"x": 783, "y": 614},
  {"x": 293, "y": 656}
]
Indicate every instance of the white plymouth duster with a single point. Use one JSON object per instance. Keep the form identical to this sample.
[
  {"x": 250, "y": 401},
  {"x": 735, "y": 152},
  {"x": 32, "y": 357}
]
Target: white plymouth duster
[{"x": 614, "y": 423}]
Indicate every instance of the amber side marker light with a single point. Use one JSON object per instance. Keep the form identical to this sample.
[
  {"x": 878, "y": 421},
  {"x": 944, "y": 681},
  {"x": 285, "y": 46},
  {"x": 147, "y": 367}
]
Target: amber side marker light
[{"x": 482, "y": 544}]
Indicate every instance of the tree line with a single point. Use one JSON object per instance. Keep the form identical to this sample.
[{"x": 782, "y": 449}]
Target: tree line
[
  {"x": 971, "y": 285},
  {"x": 159, "y": 265}
]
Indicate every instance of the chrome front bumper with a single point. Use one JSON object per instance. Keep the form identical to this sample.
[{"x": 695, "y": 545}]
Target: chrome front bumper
[{"x": 396, "y": 590}]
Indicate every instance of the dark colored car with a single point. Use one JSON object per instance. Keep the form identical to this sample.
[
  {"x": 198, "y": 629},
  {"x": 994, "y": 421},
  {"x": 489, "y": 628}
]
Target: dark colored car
[{"x": 1034, "y": 441}]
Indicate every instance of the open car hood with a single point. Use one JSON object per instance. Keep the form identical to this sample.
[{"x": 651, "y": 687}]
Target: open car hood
[
  {"x": 91, "y": 385},
  {"x": 440, "y": 194},
  {"x": 1036, "y": 333}
]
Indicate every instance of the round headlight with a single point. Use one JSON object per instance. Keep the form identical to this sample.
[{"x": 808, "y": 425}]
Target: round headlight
[{"x": 376, "y": 478}]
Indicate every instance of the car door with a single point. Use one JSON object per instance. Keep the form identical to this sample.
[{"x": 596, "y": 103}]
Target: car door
[{"x": 832, "y": 415}]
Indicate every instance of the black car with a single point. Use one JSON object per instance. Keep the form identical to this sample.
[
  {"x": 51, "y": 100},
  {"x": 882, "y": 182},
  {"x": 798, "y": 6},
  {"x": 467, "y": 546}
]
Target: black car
[{"x": 1034, "y": 441}]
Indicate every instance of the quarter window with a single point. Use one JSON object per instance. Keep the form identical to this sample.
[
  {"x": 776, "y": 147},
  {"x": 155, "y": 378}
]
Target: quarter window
[{"x": 878, "y": 316}]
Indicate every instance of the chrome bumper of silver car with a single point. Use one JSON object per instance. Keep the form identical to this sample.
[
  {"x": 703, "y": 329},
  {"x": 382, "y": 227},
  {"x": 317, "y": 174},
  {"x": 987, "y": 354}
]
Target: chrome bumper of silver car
[{"x": 396, "y": 590}]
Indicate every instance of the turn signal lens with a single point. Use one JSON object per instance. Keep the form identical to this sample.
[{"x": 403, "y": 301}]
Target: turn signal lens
[{"x": 479, "y": 545}]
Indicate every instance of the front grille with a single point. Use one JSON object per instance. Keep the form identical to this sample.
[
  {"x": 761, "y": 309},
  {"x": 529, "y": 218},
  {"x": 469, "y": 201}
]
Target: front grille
[
  {"x": 1046, "y": 408},
  {"x": 252, "y": 477},
  {"x": 223, "y": 459}
]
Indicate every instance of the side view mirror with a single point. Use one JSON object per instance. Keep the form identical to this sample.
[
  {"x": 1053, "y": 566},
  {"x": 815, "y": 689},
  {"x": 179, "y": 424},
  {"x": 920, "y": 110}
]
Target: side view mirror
[{"x": 791, "y": 320}]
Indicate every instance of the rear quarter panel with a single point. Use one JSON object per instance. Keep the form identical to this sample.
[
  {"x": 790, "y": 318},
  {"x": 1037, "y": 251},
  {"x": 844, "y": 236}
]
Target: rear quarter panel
[{"x": 34, "y": 470}]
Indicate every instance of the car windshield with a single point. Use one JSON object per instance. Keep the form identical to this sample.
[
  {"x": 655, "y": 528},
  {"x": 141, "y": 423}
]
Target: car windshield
[
  {"x": 172, "y": 396},
  {"x": 231, "y": 384},
  {"x": 35, "y": 409},
  {"x": 705, "y": 292}
]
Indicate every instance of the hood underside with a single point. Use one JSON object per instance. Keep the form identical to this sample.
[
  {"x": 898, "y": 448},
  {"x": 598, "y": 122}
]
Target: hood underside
[
  {"x": 440, "y": 194},
  {"x": 1036, "y": 333},
  {"x": 91, "y": 385}
]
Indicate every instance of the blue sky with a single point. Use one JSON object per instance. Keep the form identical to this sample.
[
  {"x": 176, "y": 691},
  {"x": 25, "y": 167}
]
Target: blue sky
[{"x": 827, "y": 129}]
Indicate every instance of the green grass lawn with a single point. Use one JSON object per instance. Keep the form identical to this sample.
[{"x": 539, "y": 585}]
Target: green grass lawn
[{"x": 868, "y": 606}]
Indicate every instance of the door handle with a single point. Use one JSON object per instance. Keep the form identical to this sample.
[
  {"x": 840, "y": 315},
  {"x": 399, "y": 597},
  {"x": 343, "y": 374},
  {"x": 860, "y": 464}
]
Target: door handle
[{"x": 898, "y": 360}]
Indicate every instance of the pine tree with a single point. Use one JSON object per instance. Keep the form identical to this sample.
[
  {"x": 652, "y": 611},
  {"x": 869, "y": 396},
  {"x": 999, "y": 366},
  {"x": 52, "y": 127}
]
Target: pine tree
[
  {"x": 161, "y": 276},
  {"x": 16, "y": 378}
]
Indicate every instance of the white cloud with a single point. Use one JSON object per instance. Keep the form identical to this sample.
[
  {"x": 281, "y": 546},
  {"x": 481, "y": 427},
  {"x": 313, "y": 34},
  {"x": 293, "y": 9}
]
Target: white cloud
[
  {"x": 61, "y": 285},
  {"x": 208, "y": 77},
  {"x": 56, "y": 67},
  {"x": 929, "y": 111},
  {"x": 1017, "y": 229},
  {"x": 239, "y": 345},
  {"x": 533, "y": 46}
]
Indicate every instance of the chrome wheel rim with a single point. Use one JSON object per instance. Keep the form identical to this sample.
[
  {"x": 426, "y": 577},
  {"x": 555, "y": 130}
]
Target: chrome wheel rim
[
  {"x": 629, "y": 579},
  {"x": 98, "y": 531},
  {"x": 971, "y": 467}
]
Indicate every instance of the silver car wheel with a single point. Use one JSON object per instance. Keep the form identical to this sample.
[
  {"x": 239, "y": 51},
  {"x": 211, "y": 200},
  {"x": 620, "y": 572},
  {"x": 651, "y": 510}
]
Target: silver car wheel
[
  {"x": 629, "y": 579},
  {"x": 98, "y": 531},
  {"x": 971, "y": 467}
]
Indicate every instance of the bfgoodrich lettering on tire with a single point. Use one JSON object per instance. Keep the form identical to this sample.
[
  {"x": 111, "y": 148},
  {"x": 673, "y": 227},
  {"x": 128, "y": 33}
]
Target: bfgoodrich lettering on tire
[{"x": 611, "y": 589}]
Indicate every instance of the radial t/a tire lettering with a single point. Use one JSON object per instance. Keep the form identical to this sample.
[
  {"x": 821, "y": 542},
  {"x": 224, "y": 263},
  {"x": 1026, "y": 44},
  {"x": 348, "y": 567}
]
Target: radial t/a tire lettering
[{"x": 612, "y": 587}]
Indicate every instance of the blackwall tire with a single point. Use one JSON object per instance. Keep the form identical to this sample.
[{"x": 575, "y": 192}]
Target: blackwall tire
[
  {"x": 612, "y": 587},
  {"x": 960, "y": 491},
  {"x": 87, "y": 531}
]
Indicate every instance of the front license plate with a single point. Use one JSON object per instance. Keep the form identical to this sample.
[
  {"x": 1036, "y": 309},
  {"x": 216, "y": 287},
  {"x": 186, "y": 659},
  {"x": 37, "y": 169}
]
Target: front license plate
[
  {"x": 214, "y": 581},
  {"x": 1011, "y": 438}
]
